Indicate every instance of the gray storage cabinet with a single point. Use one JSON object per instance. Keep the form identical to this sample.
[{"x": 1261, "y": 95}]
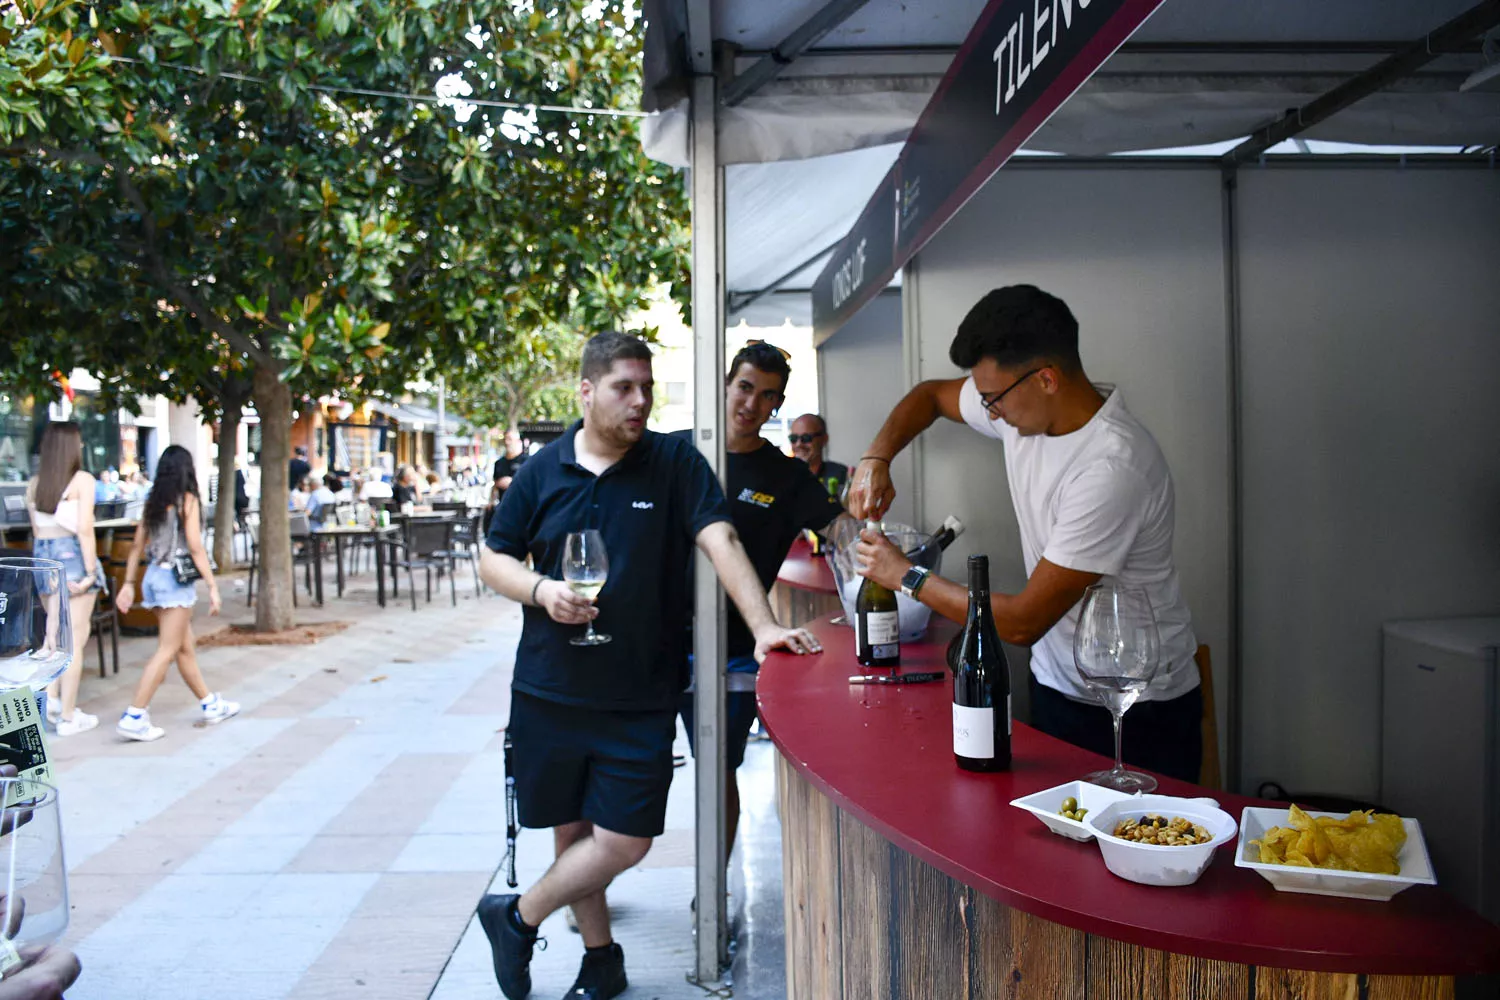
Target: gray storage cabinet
[{"x": 1440, "y": 747}]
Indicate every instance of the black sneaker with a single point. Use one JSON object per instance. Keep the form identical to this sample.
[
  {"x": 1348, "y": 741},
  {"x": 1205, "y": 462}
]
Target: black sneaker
[
  {"x": 601, "y": 976},
  {"x": 510, "y": 948}
]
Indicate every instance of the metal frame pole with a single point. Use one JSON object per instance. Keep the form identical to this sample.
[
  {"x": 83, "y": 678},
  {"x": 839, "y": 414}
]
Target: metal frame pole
[{"x": 710, "y": 920}]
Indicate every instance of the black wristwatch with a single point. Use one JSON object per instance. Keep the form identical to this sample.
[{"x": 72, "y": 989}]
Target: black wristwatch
[{"x": 912, "y": 580}]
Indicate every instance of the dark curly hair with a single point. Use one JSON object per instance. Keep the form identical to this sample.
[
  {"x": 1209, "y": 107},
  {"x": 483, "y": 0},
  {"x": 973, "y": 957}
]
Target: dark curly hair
[
  {"x": 175, "y": 478},
  {"x": 1018, "y": 326}
]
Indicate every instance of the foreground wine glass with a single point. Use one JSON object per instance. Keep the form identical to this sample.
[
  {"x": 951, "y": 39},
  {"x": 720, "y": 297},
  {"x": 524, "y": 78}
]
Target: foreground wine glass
[
  {"x": 1117, "y": 649},
  {"x": 34, "y": 894},
  {"x": 585, "y": 568},
  {"x": 36, "y": 634}
]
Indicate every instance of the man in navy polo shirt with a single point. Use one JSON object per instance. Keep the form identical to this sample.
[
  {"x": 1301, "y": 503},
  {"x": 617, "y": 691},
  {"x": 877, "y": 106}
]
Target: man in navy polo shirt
[
  {"x": 772, "y": 497},
  {"x": 592, "y": 727}
]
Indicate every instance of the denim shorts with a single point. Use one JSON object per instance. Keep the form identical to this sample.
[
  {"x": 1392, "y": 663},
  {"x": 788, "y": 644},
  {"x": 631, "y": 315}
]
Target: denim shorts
[
  {"x": 160, "y": 589},
  {"x": 67, "y": 551}
]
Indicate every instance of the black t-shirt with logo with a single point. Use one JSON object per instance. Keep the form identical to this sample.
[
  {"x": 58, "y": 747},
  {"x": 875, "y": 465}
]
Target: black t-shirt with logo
[
  {"x": 650, "y": 507},
  {"x": 772, "y": 497}
]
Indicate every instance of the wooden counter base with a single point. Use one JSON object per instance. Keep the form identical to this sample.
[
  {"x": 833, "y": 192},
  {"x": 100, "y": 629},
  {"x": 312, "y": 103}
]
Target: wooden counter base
[{"x": 865, "y": 919}]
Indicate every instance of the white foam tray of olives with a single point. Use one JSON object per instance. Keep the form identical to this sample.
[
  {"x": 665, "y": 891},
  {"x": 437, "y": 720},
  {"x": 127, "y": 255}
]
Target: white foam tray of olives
[{"x": 1064, "y": 808}]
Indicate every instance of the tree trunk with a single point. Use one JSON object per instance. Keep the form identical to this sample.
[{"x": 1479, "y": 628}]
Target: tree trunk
[
  {"x": 229, "y": 434},
  {"x": 273, "y": 401}
]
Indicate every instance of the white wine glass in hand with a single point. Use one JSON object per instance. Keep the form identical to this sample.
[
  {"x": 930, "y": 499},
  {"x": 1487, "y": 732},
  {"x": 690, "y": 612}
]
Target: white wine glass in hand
[
  {"x": 1117, "y": 650},
  {"x": 585, "y": 568}
]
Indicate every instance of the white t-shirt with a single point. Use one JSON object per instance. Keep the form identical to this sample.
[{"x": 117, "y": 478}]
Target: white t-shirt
[{"x": 1098, "y": 500}]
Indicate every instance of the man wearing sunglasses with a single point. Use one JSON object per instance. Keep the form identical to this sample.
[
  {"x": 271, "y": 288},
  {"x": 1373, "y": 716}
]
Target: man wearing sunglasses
[
  {"x": 1093, "y": 498},
  {"x": 809, "y": 438}
]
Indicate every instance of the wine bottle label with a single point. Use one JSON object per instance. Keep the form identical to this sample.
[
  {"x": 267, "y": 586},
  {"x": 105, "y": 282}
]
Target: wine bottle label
[
  {"x": 883, "y": 628},
  {"x": 974, "y": 731}
]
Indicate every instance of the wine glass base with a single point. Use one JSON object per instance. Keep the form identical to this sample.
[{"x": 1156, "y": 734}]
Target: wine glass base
[
  {"x": 597, "y": 639},
  {"x": 1122, "y": 780}
]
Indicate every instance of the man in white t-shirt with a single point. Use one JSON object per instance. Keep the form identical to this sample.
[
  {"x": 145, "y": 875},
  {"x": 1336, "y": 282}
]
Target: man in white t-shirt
[{"x": 1093, "y": 498}]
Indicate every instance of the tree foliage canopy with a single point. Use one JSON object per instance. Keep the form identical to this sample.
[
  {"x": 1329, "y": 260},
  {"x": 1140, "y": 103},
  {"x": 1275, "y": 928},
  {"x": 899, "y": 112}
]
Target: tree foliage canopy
[{"x": 218, "y": 183}]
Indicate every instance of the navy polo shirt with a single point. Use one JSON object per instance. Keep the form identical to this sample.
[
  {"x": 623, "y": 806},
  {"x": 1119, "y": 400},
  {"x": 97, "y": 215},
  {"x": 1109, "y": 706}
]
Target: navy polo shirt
[{"x": 650, "y": 507}]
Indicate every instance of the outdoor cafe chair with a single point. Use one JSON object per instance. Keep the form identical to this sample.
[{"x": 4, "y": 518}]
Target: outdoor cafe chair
[{"x": 424, "y": 544}]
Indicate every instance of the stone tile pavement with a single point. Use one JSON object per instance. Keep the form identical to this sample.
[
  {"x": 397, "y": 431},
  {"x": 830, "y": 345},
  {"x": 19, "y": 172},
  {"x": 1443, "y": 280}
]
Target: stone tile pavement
[{"x": 332, "y": 840}]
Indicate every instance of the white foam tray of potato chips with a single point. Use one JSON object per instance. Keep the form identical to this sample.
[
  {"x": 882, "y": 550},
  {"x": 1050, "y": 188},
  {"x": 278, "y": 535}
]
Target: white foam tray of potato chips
[{"x": 1416, "y": 867}]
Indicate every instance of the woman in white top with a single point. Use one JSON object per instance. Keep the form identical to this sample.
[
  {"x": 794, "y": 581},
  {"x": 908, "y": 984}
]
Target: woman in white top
[
  {"x": 61, "y": 503},
  {"x": 170, "y": 530}
]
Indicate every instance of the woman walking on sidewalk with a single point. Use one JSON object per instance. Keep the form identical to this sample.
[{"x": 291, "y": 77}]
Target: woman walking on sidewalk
[
  {"x": 170, "y": 530},
  {"x": 60, "y": 501}
]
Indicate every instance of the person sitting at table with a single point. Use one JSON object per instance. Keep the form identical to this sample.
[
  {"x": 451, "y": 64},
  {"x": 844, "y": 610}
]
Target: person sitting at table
[
  {"x": 60, "y": 501},
  {"x": 322, "y": 501},
  {"x": 408, "y": 489},
  {"x": 301, "y": 495},
  {"x": 375, "y": 486},
  {"x": 1093, "y": 497}
]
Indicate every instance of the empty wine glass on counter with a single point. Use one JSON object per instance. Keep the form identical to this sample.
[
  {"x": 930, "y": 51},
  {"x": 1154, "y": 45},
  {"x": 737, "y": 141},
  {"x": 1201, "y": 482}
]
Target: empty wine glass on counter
[{"x": 1117, "y": 649}]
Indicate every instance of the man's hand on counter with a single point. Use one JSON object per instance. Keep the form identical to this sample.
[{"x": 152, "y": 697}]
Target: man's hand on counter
[
  {"x": 883, "y": 562},
  {"x": 793, "y": 640},
  {"x": 871, "y": 491}
]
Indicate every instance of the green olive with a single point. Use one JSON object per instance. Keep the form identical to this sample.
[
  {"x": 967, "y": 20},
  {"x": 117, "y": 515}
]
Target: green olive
[
  {"x": 1078, "y": 814},
  {"x": 1069, "y": 804}
]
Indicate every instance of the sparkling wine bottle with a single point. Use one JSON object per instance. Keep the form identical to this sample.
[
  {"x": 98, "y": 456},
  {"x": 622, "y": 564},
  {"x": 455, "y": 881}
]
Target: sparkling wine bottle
[{"x": 877, "y": 624}]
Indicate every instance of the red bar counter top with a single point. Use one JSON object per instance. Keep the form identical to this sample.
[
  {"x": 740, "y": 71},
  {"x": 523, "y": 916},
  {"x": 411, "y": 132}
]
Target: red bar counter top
[
  {"x": 884, "y": 754},
  {"x": 805, "y": 571}
]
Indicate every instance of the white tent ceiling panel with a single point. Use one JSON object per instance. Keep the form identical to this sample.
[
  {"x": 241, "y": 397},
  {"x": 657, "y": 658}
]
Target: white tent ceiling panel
[{"x": 778, "y": 215}]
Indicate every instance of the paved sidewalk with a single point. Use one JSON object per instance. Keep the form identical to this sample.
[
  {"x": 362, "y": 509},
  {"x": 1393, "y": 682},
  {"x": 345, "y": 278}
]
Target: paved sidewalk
[{"x": 332, "y": 840}]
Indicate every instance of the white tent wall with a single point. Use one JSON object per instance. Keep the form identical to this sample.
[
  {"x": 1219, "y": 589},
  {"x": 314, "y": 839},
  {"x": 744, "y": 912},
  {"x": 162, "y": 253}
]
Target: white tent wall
[
  {"x": 861, "y": 373},
  {"x": 1137, "y": 254},
  {"x": 1371, "y": 357}
]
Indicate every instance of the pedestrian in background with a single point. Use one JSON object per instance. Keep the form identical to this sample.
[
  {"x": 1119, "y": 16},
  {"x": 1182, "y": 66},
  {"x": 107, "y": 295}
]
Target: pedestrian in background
[
  {"x": 170, "y": 529},
  {"x": 60, "y": 501}
]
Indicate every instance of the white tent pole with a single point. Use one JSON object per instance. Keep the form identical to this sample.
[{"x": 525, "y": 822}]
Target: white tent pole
[{"x": 708, "y": 642}]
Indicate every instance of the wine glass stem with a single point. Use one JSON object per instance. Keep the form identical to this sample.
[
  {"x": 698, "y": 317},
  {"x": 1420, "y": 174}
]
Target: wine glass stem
[
  {"x": 590, "y": 634},
  {"x": 1119, "y": 760}
]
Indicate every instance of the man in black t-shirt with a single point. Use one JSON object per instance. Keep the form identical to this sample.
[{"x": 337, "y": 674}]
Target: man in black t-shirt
[
  {"x": 591, "y": 727},
  {"x": 772, "y": 498}
]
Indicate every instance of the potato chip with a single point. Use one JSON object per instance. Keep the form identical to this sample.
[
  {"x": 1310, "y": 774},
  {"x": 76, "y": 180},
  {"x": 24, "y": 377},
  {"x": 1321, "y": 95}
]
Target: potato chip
[{"x": 1363, "y": 841}]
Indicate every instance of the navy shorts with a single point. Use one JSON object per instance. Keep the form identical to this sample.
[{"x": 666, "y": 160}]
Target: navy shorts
[
  {"x": 612, "y": 769},
  {"x": 739, "y": 716}
]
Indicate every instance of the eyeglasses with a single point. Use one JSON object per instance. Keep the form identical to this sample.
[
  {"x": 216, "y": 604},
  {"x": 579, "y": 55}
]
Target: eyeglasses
[
  {"x": 803, "y": 438},
  {"x": 786, "y": 355},
  {"x": 991, "y": 403}
]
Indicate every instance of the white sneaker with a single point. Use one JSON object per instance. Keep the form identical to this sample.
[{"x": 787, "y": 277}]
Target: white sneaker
[
  {"x": 139, "y": 727},
  {"x": 218, "y": 709},
  {"x": 81, "y": 722},
  {"x": 54, "y": 711}
]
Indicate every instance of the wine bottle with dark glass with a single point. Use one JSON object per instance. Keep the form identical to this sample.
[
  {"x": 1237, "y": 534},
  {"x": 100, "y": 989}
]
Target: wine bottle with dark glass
[
  {"x": 981, "y": 683},
  {"x": 877, "y": 623}
]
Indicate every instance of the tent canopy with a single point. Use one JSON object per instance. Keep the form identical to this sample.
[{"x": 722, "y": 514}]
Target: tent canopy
[{"x": 806, "y": 149}]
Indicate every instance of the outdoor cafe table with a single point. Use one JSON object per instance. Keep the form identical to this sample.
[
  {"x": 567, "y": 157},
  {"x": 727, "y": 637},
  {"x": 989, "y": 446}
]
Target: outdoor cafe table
[
  {"x": 382, "y": 537},
  {"x": 339, "y": 533}
]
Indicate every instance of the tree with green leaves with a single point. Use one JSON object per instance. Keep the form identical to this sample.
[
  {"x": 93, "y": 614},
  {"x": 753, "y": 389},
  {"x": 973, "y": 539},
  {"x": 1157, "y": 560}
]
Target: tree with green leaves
[{"x": 269, "y": 189}]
